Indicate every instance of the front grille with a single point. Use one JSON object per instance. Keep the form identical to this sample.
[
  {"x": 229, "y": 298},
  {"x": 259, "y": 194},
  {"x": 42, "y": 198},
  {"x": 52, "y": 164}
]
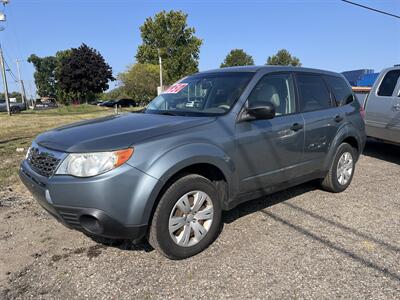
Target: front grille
[{"x": 42, "y": 162}]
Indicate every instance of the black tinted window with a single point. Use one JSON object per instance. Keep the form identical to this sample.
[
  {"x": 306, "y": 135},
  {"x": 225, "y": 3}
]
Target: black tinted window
[
  {"x": 314, "y": 94},
  {"x": 389, "y": 83},
  {"x": 342, "y": 92}
]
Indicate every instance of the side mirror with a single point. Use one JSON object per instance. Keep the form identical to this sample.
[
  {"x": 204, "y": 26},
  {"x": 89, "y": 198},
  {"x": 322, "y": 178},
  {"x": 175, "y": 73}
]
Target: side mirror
[{"x": 259, "y": 112}]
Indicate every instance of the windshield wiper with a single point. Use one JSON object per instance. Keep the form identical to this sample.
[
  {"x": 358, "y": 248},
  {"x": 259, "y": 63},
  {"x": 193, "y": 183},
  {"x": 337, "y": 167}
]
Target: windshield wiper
[{"x": 168, "y": 113}]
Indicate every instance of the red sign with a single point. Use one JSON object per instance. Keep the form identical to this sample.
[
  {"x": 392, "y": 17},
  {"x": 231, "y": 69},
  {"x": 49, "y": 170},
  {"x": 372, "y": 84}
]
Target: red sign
[{"x": 176, "y": 88}]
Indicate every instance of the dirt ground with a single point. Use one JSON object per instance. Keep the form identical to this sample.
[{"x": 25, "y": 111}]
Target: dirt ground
[{"x": 300, "y": 243}]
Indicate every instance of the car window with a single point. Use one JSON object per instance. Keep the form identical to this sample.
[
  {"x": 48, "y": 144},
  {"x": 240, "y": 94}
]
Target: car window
[
  {"x": 314, "y": 94},
  {"x": 275, "y": 89},
  {"x": 389, "y": 83},
  {"x": 340, "y": 89}
]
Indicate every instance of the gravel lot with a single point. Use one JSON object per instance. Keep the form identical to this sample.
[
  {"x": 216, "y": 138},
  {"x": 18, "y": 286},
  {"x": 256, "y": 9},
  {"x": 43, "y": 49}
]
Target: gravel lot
[{"x": 300, "y": 243}]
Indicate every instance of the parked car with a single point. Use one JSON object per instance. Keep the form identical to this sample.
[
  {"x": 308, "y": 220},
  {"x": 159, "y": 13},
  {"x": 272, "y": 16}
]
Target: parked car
[
  {"x": 104, "y": 103},
  {"x": 119, "y": 103},
  {"x": 95, "y": 102},
  {"x": 168, "y": 173},
  {"x": 382, "y": 107},
  {"x": 45, "y": 103},
  {"x": 15, "y": 107}
]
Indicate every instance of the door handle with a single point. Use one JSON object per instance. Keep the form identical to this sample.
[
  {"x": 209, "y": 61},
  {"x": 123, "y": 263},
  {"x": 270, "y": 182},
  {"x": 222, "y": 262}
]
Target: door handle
[
  {"x": 296, "y": 127},
  {"x": 396, "y": 106},
  {"x": 338, "y": 118}
]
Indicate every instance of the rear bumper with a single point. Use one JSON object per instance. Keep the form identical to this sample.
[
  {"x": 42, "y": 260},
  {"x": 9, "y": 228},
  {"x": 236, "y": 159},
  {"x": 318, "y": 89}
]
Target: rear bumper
[{"x": 109, "y": 205}]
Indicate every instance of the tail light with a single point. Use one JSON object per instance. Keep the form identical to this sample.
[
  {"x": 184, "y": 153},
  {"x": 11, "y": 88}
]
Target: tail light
[{"x": 362, "y": 112}]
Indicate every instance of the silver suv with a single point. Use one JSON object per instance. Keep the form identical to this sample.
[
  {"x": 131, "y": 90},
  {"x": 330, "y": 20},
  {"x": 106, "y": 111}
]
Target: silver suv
[{"x": 211, "y": 141}]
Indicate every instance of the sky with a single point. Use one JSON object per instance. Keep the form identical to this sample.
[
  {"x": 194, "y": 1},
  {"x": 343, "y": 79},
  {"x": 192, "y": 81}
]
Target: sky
[{"x": 325, "y": 34}]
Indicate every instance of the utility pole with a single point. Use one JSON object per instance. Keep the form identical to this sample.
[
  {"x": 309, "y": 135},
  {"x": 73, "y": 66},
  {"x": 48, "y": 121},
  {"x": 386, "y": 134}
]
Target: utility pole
[
  {"x": 3, "y": 73},
  {"x": 3, "y": 69},
  {"x": 21, "y": 83}
]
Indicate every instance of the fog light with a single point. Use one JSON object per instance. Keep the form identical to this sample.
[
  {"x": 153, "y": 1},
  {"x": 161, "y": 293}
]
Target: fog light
[{"x": 91, "y": 224}]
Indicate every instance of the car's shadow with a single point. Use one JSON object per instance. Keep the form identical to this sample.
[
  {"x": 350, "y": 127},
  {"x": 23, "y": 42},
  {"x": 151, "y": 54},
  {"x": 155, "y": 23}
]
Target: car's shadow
[
  {"x": 383, "y": 151},
  {"x": 230, "y": 216},
  {"x": 264, "y": 202}
]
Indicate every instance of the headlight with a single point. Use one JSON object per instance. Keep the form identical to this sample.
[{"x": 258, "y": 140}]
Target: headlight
[
  {"x": 91, "y": 164},
  {"x": 28, "y": 152}
]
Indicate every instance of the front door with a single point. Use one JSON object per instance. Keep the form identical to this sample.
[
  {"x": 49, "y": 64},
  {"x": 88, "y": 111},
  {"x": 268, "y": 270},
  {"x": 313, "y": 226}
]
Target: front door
[
  {"x": 268, "y": 151},
  {"x": 383, "y": 109},
  {"x": 394, "y": 123}
]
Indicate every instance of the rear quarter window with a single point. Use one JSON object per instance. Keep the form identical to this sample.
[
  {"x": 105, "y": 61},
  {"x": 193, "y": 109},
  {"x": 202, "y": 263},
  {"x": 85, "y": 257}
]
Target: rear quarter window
[
  {"x": 340, "y": 89},
  {"x": 388, "y": 83}
]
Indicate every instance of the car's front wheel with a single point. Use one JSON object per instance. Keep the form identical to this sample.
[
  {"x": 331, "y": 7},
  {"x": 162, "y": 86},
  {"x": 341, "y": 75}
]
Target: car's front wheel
[
  {"x": 187, "y": 218},
  {"x": 342, "y": 169}
]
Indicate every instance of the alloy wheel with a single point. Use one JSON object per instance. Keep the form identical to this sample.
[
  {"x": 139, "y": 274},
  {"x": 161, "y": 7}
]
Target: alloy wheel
[{"x": 344, "y": 168}]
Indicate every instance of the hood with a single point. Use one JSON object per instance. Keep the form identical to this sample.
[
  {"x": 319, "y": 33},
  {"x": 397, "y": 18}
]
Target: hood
[{"x": 115, "y": 132}]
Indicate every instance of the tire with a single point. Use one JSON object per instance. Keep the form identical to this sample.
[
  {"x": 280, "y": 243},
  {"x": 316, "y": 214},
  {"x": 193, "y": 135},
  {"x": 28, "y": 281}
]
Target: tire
[
  {"x": 334, "y": 183},
  {"x": 185, "y": 191}
]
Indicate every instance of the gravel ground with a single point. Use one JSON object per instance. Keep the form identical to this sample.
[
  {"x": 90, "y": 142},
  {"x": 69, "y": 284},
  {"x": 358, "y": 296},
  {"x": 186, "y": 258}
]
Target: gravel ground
[{"x": 300, "y": 243}]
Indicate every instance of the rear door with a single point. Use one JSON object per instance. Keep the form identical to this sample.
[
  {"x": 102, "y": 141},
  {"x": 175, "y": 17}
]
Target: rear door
[
  {"x": 383, "y": 108},
  {"x": 322, "y": 118}
]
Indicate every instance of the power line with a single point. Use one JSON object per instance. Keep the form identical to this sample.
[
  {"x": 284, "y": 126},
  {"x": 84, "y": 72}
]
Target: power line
[
  {"x": 373, "y": 9},
  {"x": 10, "y": 71}
]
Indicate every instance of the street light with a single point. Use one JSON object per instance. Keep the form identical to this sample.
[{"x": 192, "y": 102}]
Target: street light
[{"x": 161, "y": 79}]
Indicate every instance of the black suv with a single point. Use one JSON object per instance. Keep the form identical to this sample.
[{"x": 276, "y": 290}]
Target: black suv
[{"x": 120, "y": 103}]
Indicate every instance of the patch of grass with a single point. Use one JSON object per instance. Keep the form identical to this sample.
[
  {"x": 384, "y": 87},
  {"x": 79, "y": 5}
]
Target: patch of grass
[
  {"x": 70, "y": 109},
  {"x": 18, "y": 131}
]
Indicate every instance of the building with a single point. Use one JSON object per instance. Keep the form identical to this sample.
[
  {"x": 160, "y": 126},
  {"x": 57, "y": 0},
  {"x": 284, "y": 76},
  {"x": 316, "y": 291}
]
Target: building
[{"x": 363, "y": 77}]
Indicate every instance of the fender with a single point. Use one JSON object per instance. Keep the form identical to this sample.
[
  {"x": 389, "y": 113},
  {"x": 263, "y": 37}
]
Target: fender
[
  {"x": 341, "y": 135},
  {"x": 361, "y": 140},
  {"x": 181, "y": 157},
  {"x": 345, "y": 132}
]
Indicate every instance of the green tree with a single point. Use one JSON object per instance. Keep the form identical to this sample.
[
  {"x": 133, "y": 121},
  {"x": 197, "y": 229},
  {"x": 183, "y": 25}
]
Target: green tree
[
  {"x": 237, "y": 57},
  {"x": 168, "y": 35},
  {"x": 140, "y": 82},
  {"x": 116, "y": 93},
  {"x": 62, "y": 95},
  {"x": 283, "y": 58},
  {"x": 82, "y": 72},
  {"x": 44, "y": 75}
]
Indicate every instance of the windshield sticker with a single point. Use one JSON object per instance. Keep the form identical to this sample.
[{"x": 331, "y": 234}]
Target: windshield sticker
[{"x": 176, "y": 88}]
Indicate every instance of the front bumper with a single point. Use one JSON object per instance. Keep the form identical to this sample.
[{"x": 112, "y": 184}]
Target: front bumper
[{"x": 112, "y": 205}]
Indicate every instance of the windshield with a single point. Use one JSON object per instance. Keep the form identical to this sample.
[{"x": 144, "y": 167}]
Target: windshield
[{"x": 203, "y": 94}]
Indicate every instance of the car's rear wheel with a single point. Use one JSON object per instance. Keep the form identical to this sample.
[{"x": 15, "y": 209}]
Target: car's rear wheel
[
  {"x": 342, "y": 169},
  {"x": 187, "y": 218}
]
